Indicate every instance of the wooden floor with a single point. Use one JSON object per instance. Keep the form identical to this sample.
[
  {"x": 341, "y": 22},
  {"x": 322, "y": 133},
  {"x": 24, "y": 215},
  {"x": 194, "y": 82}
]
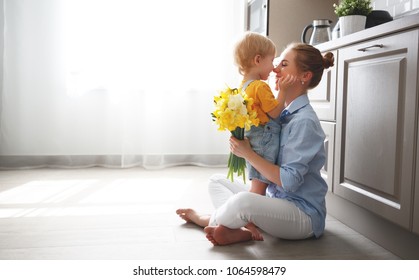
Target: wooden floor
[{"x": 124, "y": 214}]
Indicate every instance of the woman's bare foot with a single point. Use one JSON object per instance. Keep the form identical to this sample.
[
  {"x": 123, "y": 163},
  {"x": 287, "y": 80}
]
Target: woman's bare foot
[
  {"x": 256, "y": 234},
  {"x": 221, "y": 235},
  {"x": 190, "y": 216}
]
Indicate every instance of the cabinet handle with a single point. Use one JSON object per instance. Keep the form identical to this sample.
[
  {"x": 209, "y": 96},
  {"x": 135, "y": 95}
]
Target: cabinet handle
[{"x": 373, "y": 46}]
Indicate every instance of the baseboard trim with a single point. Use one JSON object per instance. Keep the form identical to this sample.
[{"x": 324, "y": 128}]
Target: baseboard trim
[
  {"x": 390, "y": 236},
  {"x": 112, "y": 161}
]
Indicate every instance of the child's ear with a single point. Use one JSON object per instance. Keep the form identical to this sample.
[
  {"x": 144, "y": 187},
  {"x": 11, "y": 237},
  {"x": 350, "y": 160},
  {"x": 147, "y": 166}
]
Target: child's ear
[{"x": 256, "y": 59}]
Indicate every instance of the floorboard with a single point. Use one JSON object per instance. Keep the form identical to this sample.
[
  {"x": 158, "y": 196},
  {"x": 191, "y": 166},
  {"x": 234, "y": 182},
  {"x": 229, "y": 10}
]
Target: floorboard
[{"x": 129, "y": 214}]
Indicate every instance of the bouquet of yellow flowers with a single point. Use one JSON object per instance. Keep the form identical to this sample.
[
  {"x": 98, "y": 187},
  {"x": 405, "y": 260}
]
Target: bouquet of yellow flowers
[{"x": 234, "y": 112}]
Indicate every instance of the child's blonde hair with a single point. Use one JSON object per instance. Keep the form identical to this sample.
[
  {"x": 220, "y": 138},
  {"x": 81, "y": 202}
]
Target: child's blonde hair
[{"x": 251, "y": 45}]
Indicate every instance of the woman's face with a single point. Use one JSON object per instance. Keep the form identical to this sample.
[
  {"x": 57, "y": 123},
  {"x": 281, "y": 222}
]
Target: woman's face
[{"x": 287, "y": 65}]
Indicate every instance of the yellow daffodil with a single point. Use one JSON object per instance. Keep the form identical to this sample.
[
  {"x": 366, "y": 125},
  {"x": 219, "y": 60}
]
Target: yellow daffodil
[{"x": 234, "y": 112}]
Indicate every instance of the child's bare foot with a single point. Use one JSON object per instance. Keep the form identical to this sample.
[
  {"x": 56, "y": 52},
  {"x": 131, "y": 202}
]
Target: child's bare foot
[
  {"x": 221, "y": 235},
  {"x": 190, "y": 216},
  {"x": 256, "y": 234}
]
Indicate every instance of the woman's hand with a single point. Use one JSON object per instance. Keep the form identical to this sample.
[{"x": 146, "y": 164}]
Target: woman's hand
[
  {"x": 240, "y": 148},
  {"x": 283, "y": 83}
]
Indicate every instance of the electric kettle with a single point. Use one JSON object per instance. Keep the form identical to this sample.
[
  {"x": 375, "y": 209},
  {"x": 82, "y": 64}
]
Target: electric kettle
[{"x": 321, "y": 31}]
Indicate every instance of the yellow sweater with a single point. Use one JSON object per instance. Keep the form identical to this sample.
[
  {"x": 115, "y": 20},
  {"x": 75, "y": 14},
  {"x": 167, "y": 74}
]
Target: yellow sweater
[{"x": 263, "y": 98}]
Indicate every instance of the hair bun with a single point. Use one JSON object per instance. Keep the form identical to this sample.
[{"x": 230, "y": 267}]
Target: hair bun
[{"x": 328, "y": 60}]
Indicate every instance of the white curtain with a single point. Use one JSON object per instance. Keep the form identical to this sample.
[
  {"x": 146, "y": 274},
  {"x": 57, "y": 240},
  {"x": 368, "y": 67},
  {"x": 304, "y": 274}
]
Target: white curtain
[{"x": 115, "y": 82}]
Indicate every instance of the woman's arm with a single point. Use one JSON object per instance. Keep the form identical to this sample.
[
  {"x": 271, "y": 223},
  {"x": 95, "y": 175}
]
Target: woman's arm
[
  {"x": 243, "y": 149},
  {"x": 282, "y": 84}
]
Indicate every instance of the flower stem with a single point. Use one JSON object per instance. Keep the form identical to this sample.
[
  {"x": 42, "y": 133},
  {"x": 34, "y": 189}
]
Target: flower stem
[{"x": 237, "y": 164}]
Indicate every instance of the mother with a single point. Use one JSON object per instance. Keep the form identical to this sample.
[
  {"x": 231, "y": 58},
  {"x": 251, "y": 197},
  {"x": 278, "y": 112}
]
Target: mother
[{"x": 294, "y": 206}]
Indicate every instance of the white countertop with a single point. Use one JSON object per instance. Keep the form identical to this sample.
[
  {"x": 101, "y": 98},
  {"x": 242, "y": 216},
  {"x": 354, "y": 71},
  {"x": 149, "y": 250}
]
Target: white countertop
[{"x": 397, "y": 25}]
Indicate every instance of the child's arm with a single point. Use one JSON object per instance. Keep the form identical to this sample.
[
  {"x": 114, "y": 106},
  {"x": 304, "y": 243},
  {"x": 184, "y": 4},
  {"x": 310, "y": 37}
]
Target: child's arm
[{"x": 283, "y": 84}]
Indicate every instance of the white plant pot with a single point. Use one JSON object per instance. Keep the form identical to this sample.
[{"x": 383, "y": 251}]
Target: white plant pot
[{"x": 351, "y": 24}]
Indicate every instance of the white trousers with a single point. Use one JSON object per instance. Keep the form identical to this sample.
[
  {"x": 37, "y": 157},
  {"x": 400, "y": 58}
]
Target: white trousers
[{"x": 236, "y": 206}]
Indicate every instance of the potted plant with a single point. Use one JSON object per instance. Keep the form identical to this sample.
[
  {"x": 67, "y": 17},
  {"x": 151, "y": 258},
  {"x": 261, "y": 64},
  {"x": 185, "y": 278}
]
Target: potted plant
[{"x": 352, "y": 15}]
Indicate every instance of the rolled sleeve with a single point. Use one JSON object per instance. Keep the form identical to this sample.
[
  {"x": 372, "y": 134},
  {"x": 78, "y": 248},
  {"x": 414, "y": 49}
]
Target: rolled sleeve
[
  {"x": 298, "y": 150},
  {"x": 291, "y": 178}
]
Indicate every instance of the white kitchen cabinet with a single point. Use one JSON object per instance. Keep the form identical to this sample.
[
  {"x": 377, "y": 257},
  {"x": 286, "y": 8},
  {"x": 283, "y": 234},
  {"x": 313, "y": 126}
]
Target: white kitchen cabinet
[
  {"x": 329, "y": 146},
  {"x": 375, "y": 187},
  {"x": 415, "y": 226},
  {"x": 323, "y": 100},
  {"x": 323, "y": 97},
  {"x": 376, "y": 126}
]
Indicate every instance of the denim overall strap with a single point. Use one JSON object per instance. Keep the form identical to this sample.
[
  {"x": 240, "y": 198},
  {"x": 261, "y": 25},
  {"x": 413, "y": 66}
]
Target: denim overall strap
[{"x": 246, "y": 84}]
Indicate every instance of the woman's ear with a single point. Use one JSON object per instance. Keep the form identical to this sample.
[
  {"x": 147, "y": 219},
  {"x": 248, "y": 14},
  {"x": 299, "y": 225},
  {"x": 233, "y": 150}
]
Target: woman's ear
[{"x": 307, "y": 76}]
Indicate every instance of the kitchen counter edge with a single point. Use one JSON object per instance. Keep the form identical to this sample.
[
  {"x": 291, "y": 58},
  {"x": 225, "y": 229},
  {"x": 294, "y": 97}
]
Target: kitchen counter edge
[{"x": 397, "y": 25}]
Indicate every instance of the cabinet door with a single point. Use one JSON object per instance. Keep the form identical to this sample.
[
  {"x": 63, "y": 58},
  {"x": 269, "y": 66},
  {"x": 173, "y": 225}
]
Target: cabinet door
[
  {"x": 415, "y": 226},
  {"x": 375, "y": 132},
  {"x": 329, "y": 146},
  {"x": 323, "y": 97}
]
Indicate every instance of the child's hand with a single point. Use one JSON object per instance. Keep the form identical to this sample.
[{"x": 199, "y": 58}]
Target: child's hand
[{"x": 283, "y": 83}]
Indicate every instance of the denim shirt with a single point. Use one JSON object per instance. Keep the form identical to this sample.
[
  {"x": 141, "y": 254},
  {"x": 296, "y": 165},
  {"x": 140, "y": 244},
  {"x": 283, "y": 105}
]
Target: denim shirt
[{"x": 301, "y": 158}]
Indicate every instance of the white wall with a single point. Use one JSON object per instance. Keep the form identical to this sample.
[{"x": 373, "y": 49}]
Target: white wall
[
  {"x": 287, "y": 19},
  {"x": 397, "y": 8}
]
